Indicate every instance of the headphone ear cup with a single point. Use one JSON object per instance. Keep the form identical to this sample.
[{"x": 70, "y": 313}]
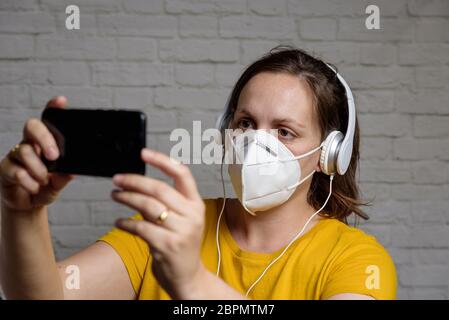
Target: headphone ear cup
[{"x": 329, "y": 152}]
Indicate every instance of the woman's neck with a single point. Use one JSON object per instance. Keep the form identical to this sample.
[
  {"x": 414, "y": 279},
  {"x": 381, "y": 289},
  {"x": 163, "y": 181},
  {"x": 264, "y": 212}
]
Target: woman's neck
[{"x": 269, "y": 230}]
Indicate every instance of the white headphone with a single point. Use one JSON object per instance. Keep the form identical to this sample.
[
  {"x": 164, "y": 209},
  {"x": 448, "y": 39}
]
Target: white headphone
[{"x": 336, "y": 153}]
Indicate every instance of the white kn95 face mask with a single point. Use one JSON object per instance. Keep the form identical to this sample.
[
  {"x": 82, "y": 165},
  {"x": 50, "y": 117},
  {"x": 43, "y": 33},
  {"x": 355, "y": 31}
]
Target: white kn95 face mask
[{"x": 263, "y": 171}]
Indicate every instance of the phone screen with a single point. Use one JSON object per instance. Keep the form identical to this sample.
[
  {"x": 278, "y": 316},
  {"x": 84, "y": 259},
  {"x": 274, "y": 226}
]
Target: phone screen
[{"x": 97, "y": 142}]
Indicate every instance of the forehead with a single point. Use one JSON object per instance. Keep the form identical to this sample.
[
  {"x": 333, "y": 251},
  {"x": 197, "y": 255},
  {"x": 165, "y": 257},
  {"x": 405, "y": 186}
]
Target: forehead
[{"x": 273, "y": 95}]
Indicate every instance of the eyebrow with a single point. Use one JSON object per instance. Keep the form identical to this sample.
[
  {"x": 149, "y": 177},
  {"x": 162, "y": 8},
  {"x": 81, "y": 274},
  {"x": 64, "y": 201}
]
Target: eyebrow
[{"x": 278, "y": 120}]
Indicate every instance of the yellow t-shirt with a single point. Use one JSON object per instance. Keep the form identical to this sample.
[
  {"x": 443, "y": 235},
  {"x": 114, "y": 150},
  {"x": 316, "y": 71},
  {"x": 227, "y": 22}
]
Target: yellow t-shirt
[{"x": 329, "y": 259}]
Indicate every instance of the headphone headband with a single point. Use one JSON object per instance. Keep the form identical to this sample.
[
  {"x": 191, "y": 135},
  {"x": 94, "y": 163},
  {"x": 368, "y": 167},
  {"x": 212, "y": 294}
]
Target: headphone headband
[{"x": 345, "y": 152}]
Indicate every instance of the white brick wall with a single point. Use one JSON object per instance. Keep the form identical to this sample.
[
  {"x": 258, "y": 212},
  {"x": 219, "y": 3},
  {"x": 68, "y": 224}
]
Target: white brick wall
[{"x": 177, "y": 60}]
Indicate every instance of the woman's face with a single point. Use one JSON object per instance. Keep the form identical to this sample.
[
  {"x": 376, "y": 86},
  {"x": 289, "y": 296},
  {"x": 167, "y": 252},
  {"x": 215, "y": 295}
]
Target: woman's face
[{"x": 283, "y": 102}]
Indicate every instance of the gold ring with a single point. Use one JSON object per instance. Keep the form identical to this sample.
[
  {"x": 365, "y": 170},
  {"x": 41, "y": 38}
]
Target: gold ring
[
  {"x": 162, "y": 217},
  {"x": 13, "y": 152}
]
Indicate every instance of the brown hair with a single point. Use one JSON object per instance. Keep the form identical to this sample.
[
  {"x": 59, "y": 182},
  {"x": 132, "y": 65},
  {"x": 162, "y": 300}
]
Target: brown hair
[{"x": 332, "y": 112}]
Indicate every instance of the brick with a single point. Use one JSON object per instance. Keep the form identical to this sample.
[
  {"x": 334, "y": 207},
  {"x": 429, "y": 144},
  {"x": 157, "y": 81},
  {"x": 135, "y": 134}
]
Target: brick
[
  {"x": 13, "y": 119},
  {"x": 428, "y": 8},
  {"x": 257, "y": 27},
  {"x": 13, "y": 72},
  {"x": 26, "y": 22},
  {"x": 199, "y": 50},
  {"x": 427, "y": 101},
  {"x": 14, "y": 96},
  {"x": 370, "y": 77},
  {"x": 431, "y": 77},
  {"x": 429, "y": 211},
  {"x": 88, "y": 48},
  {"x": 417, "y": 149},
  {"x": 310, "y": 8},
  {"x": 432, "y": 30},
  {"x": 198, "y": 6},
  {"x": 19, "y": 5},
  {"x": 393, "y": 125},
  {"x": 199, "y": 99},
  {"x": 77, "y": 236},
  {"x": 198, "y": 26},
  {"x": 81, "y": 97},
  {"x": 227, "y": 75},
  {"x": 430, "y": 256},
  {"x": 418, "y": 192},
  {"x": 424, "y": 275},
  {"x": 254, "y": 49},
  {"x": 144, "y": 6},
  {"x": 87, "y": 188},
  {"x": 194, "y": 75},
  {"x": 374, "y": 101},
  {"x": 68, "y": 213},
  {"x": 429, "y": 172},
  {"x": 378, "y": 54},
  {"x": 89, "y": 6},
  {"x": 132, "y": 98},
  {"x": 161, "y": 120},
  {"x": 268, "y": 7},
  {"x": 385, "y": 171},
  {"x": 13, "y": 47},
  {"x": 431, "y": 126},
  {"x": 318, "y": 28},
  {"x": 136, "y": 49},
  {"x": 105, "y": 213},
  {"x": 131, "y": 74},
  {"x": 428, "y": 293},
  {"x": 69, "y": 73},
  {"x": 336, "y": 52},
  {"x": 423, "y": 54},
  {"x": 376, "y": 148},
  {"x": 422, "y": 236},
  {"x": 131, "y": 24},
  {"x": 392, "y": 29},
  {"x": 375, "y": 191},
  {"x": 387, "y": 212}
]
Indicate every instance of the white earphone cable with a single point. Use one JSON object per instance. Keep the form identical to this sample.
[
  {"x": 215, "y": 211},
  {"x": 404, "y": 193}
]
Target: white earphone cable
[{"x": 285, "y": 249}]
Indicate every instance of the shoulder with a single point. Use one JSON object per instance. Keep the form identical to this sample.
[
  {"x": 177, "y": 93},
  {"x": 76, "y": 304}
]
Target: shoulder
[{"x": 359, "y": 263}]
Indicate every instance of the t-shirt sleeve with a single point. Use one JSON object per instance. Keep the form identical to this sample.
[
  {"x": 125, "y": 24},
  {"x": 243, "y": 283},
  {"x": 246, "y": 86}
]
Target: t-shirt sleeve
[
  {"x": 364, "y": 267},
  {"x": 133, "y": 251}
]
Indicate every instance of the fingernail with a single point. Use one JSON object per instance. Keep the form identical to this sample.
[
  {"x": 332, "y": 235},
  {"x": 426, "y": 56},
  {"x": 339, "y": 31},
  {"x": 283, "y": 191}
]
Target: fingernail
[
  {"x": 117, "y": 178},
  {"x": 52, "y": 153},
  {"x": 147, "y": 152}
]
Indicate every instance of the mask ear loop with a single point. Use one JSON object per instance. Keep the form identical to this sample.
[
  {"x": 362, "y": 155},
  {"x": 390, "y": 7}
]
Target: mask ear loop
[{"x": 295, "y": 238}]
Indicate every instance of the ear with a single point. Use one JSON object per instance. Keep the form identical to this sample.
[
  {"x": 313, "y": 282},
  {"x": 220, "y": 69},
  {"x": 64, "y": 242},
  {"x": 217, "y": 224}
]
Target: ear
[{"x": 318, "y": 167}]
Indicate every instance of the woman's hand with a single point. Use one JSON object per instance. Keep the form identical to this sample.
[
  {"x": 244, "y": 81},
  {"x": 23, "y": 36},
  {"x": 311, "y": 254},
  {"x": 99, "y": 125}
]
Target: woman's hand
[
  {"x": 174, "y": 243},
  {"x": 25, "y": 182}
]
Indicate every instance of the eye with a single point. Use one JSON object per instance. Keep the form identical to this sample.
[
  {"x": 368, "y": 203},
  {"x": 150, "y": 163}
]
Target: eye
[
  {"x": 245, "y": 123},
  {"x": 284, "y": 133}
]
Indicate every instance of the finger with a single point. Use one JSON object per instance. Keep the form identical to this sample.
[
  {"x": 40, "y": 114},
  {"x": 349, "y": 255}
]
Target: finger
[
  {"x": 27, "y": 156},
  {"x": 157, "y": 189},
  {"x": 155, "y": 236},
  {"x": 35, "y": 131},
  {"x": 14, "y": 174},
  {"x": 57, "y": 102},
  {"x": 183, "y": 178},
  {"x": 58, "y": 181},
  {"x": 149, "y": 208}
]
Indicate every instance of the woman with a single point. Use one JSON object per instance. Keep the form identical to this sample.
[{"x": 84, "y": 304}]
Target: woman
[{"x": 298, "y": 246}]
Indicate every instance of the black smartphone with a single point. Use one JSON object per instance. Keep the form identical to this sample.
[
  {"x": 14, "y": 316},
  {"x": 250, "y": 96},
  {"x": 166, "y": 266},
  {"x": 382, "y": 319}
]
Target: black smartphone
[{"x": 96, "y": 142}]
